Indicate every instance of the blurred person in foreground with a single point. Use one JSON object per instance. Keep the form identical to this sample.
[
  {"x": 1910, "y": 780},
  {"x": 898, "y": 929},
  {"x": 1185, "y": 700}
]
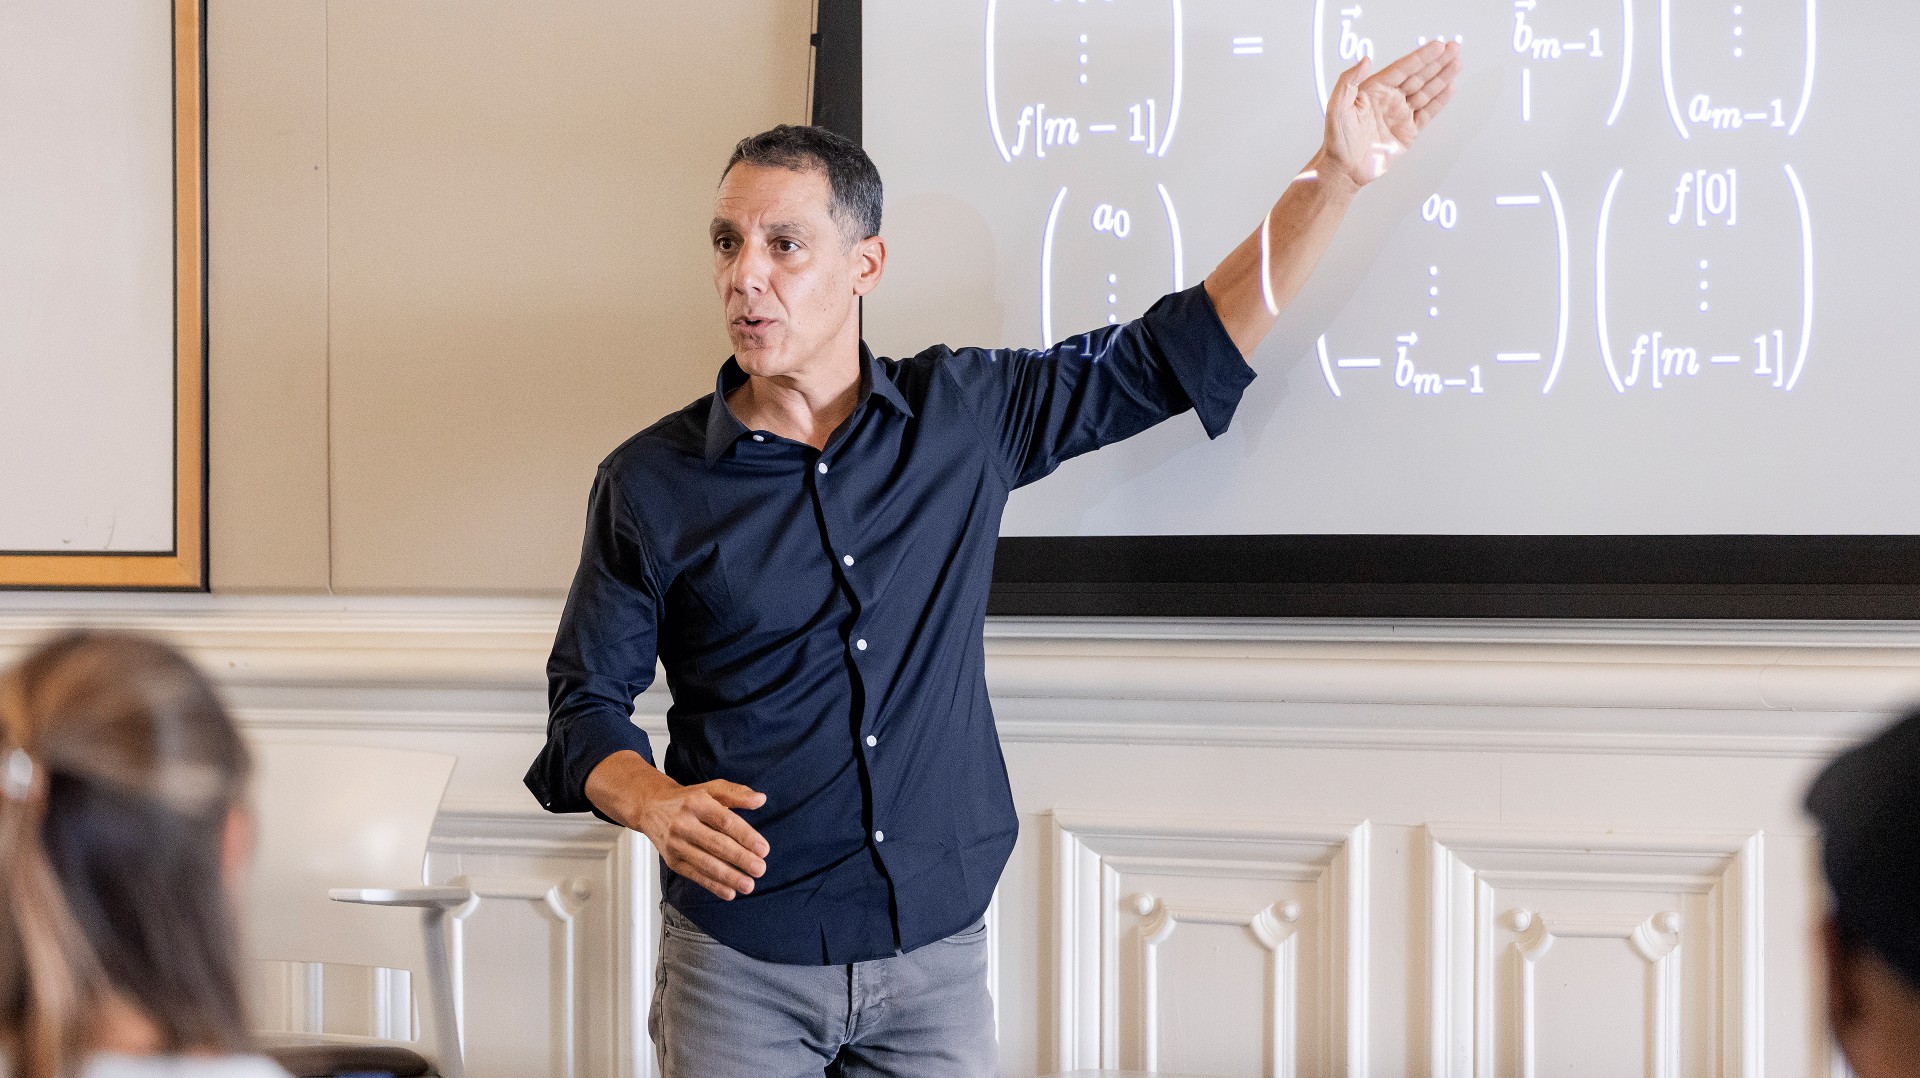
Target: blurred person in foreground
[
  {"x": 1867, "y": 803},
  {"x": 124, "y": 844}
]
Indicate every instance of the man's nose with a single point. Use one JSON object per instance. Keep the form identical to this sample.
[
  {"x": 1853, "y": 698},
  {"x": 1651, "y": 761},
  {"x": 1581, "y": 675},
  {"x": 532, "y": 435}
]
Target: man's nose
[{"x": 750, "y": 269}]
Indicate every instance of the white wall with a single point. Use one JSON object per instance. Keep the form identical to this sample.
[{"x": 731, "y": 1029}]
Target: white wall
[{"x": 1253, "y": 848}]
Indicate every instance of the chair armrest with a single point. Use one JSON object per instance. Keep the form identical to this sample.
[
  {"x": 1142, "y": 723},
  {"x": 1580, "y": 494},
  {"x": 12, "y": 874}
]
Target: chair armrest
[{"x": 431, "y": 898}]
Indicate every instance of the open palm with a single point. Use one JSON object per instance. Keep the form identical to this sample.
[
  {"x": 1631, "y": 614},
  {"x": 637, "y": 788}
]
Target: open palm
[{"x": 1373, "y": 118}]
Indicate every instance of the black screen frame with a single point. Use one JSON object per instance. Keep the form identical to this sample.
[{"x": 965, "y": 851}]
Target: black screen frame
[{"x": 1692, "y": 577}]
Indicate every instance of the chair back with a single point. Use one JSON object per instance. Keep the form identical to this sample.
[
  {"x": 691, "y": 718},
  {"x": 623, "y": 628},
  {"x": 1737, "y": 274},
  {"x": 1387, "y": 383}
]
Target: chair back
[{"x": 336, "y": 816}]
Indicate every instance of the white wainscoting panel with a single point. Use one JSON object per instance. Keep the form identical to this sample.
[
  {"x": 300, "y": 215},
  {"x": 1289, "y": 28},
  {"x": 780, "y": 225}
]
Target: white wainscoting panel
[
  {"x": 1229, "y": 861},
  {"x": 545, "y": 956},
  {"x": 1125, "y": 885},
  {"x": 1669, "y": 954}
]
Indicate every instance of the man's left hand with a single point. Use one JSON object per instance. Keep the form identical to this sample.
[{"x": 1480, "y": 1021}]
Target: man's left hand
[{"x": 1373, "y": 117}]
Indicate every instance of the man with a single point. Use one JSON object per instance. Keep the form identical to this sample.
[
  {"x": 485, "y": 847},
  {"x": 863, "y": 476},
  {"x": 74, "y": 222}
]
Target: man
[
  {"x": 1867, "y": 803},
  {"x": 808, "y": 551}
]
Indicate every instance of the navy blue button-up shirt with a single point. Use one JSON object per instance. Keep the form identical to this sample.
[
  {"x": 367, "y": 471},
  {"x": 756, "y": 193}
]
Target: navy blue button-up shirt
[{"x": 820, "y": 617}]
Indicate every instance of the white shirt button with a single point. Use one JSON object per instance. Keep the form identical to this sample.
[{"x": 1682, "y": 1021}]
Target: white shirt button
[
  {"x": 879, "y": 836},
  {"x": 872, "y": 741},
  {"x": 861, "y": 644},
  {"x": 847, "y": 559},
  {"x": 822, "y": 466},
  {"x": 759, "y": 437}
]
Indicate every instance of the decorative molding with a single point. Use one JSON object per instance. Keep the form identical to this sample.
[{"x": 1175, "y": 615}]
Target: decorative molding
[
  {"x": 1743, "y": 974},
  {"x": 1469, "y": 865},
  {"x": 521, "y": 832},
  {"x": 1092, "y": 851},
  {"x": 1655, "y": 939},
  {"x": 993, "y": 958},
  {"x": 557, "y": 901},
  {"x": 1515, "y": 686},
  {"x": 315, "y": 641},
  {"x": 1420, "y": 728},
  {"x": 1272, "y": 726},
  {"x": 624, "y": 876},
  {"x": 636, "y": 901},
  {"x": 1272, "y": 926},
  {"x": 425, "y": 720}
]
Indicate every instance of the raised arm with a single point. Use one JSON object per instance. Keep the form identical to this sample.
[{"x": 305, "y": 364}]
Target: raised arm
[{"x": 1371, "y": 119}]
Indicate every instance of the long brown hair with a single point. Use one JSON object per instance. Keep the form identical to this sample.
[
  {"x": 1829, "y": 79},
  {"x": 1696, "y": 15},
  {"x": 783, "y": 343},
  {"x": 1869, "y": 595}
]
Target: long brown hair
[{"x": 120, "y": 768}]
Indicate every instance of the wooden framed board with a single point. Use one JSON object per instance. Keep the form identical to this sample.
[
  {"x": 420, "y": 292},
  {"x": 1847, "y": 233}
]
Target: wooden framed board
[{"x": 103, "y": 343}]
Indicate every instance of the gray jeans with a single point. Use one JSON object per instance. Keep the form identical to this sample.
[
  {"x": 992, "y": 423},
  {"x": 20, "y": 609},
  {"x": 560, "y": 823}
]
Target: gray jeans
[{"x": 720, "y": 1014}]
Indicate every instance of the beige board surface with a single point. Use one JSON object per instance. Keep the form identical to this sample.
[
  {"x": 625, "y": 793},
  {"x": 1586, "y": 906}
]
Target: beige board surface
[
  {"x": 518, "y": 195},
  {"x": 267, "y": 294}
]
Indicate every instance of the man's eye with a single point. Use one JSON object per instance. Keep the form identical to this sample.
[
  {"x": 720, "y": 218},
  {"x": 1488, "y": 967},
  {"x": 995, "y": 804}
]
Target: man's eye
[
  {"x": 786, "y": 245},
  {"x": 724, "y": 243}
]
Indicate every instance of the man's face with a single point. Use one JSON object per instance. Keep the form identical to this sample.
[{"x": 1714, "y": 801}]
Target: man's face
[{"x": 788, "y": 279}]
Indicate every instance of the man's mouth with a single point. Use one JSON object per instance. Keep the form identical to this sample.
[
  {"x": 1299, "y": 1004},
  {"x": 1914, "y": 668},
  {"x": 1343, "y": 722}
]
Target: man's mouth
[{"x": 752, "y": 323}]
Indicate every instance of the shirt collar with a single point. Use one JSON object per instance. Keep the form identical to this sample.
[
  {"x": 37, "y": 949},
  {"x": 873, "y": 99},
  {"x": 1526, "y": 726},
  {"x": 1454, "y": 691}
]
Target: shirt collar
[{"x": 724, "y": 428}]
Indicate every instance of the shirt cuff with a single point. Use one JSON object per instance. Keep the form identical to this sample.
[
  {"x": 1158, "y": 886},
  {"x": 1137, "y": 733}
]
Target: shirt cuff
[
  {"x": 1188, "y": 334},
  {"x": 559, "y": 777}
]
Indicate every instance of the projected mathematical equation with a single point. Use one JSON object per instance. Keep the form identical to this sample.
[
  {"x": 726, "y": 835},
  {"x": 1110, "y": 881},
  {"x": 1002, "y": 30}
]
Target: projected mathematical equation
[
  {"x": 1570, "y": 44},
  {"x": 1483, "y": 288},
  {"x": 1652, "y": 345},
  {"x": 1083, "y": 102},
  {"x": 1428, "y": 357},
  {"x": 1082, "y": 83},
  {"x": 1703, "y": 237},
  {"x": 1083, "y": 242},
  {"x": 1736, "y": 72}
]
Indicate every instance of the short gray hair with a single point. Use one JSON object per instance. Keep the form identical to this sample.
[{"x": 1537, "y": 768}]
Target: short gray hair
[{"x": 854, "y": 182}]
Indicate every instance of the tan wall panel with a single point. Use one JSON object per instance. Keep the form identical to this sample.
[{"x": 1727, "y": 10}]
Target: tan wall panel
[
  {"x": 520, "y": 279},
  {"x": 267, "y": 297}
]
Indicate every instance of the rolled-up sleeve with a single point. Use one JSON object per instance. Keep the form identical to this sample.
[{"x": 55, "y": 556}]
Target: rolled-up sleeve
[
  {"x": 603, "y": 656},
  {"x": 1048, "y": 405}
]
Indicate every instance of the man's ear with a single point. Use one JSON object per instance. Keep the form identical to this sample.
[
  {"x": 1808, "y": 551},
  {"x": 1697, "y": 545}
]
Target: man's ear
[{"x": 870, "y": 262}]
